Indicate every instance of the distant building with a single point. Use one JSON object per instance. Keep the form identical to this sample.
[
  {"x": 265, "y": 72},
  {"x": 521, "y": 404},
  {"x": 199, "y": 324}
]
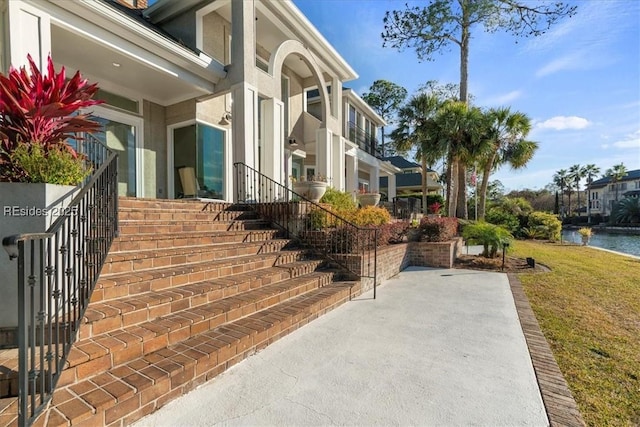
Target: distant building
[
  {"x": 603, "y": 192},
  {"x": 409, "y": 179}
]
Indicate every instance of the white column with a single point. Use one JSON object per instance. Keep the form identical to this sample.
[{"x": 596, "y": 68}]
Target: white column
[
  {"x": 244, "y": 134},
  {"x": 338, "y": 163},
  {"x": 324, "y": 149},
  {"x": 352, "y": 174},
  {"x": 272, "y": 139},
  {"x": 374, "y": 179},
  {"x": 29, "y": 33},
  {"x": 391, "y": 191}
]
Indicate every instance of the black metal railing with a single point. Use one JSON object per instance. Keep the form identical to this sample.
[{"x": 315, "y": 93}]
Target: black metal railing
[
  {"x": 57, "y": 271},
  {"x": 365, "y": 140},
  {"x": 313, "y": 226}
]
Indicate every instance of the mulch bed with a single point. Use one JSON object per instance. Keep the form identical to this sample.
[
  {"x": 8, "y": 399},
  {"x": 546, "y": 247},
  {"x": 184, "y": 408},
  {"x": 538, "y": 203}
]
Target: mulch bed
[{"x": 511, "y": 264}]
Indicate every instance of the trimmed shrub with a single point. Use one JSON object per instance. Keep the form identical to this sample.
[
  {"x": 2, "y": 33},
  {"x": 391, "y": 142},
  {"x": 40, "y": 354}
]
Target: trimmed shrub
[
  {"x": 506, "y": 219},
  {"x": 492, "y": 237},
  {"x": 389, "y": 234},
  {"x": 370, "y": 216},
  {"x": 339, "y": 200},
  {"x": 438, "y": 229},
  {"x": 546, "y": 225}
]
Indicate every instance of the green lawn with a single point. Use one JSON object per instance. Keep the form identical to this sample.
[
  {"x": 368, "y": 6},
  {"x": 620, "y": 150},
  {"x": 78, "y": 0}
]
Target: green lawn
[{"x": 588, "y": 307}]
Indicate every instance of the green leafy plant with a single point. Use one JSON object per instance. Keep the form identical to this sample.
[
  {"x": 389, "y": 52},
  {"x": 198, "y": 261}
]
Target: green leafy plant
[
  {"x": 57, "y": 166},
  {"x": 340, "y": 201},
  {"x": 548, "y": 225},
  {"x": 492, "y": 237},
  {"x": 41, "y": 109},
  {"x": 627, "y": 210}
]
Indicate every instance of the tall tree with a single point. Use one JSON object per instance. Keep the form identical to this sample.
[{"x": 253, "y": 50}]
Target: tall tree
[
  {"x": 577, "y": 173},
  {"x": 385, "y": 98},
  {"x": 416, "y": 131},
  {"x": 461, "y": 129},
  {"x": 435, "y": 27},
  {"x": 506, "y": 136},
  {"x": 616, "y": 173},
  {"x": 560, "y": 179},
  {"x": 590, "y": 171}
]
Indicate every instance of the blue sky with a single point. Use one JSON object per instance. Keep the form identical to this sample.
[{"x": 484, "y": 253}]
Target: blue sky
[{"x": 579, "y": 83}]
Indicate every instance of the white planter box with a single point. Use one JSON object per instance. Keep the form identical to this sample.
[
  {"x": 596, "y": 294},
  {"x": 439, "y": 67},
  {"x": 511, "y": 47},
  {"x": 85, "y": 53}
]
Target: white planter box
[{"x": 24, "y": 208}]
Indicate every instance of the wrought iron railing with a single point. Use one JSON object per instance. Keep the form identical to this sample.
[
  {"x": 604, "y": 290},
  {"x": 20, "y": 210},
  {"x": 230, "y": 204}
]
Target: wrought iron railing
[
  {"x": 312, "y": 225},
  {"x": 365, "y": 140},
  {"x": 57, "y": 271}
]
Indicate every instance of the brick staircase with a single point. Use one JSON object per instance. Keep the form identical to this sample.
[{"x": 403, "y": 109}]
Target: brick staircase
[{"x": 188, "y": 289}]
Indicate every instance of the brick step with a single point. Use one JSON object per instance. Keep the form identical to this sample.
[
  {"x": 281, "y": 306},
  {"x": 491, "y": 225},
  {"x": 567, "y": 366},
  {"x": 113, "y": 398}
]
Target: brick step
[
  {"x": 116, "y": 285},
  {"x": 119, "y": 344},
  {"x": 128, "y": 214},
  {"x": 173, "y": 240},
  {"x": 176, "y": 204},
  {"x": 130, "y": 391},
  {"x": 159, "y": 227},
  {"x": 120, "y": 262},
  {"x": 103, "y": 316}
]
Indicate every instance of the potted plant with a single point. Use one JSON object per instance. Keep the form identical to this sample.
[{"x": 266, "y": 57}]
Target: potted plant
[
  {"x": 434, "y": 209},
  {"x": 39, "y": 169},
  {"x": 366, "y": 198},
  {"x": 585, "y": 234},
  {"x": 312, "y": 188}
]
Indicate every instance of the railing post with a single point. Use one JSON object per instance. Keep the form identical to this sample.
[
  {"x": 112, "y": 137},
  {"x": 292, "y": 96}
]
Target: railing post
[{"x": 23, "y": 341}]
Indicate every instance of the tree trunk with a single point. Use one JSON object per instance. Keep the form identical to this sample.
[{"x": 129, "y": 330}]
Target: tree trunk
[
  {"x": 451, "y": 176},
  {"x": 424, "y": 186},
  {"x": 462, "y": 211},
  {"x": 588, "y": 203},
  {"x": 464, "y": 52},
  {"x": 482, "y": 205}
]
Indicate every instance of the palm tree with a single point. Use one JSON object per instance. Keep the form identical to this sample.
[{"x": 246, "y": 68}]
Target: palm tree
[
  {"x": 560, "y": 179},
  {"x": 506, "y": 134},
  {"x": 461, "y": 130},
  {"x": 416, "y": 131},
  {"x": 577, "y": 173},
  {"x": 590, "y": 171},
  {"x": 616, "y": 173}
]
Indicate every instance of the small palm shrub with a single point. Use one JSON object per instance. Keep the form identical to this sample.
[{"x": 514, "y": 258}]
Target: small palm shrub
[
  {"x": 438, "y": 229},
  {"x": 492, "y": 237},
  {"x": 626, "y": 210},
  {"x": 547, "y": 225}
]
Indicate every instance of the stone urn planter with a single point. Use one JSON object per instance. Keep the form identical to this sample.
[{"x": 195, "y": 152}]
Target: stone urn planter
[
  {"x": 369, "y": 199},
  {"x": 312, "y": 190}
]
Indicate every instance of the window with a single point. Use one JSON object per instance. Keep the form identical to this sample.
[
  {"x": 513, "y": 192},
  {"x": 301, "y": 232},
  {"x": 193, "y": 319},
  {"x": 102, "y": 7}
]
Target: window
[
  {"x": 262, "y": 64},
  {"x": 284, "y": 96},
  {"x": 612, "y": 187},
  {"x": 200, "y": 148},
  {"x": 637, "y": 184},
  {"x": 623, "y": 186}
]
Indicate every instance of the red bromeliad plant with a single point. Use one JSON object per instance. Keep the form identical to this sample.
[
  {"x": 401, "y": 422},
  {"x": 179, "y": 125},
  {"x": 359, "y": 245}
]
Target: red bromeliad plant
[{"x": 41, "y": 109}]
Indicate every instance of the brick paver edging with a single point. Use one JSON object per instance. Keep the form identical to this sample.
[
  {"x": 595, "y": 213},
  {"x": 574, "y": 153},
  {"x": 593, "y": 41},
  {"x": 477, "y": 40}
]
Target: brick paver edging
[{"x": 558, "y": 401}]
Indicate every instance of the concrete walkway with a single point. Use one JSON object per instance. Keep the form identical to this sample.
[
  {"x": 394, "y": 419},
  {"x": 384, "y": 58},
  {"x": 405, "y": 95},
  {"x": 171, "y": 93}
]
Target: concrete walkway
[{"x": 438, "y": 348}]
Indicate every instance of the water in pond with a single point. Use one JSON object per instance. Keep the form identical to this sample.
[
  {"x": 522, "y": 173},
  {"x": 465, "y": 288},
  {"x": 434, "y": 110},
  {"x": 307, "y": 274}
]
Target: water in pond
[{"x": 615, "y": 242}]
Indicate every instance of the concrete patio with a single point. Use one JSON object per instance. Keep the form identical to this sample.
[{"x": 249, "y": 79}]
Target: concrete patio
[{"x": 438, "y": 347}]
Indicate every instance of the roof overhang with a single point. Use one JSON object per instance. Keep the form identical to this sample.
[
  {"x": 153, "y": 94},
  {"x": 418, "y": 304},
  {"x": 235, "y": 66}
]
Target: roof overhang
[{"x": 91, "y": 35}]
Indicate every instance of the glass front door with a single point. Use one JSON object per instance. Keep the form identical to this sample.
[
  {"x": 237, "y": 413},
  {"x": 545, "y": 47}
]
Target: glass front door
[
  {"x": 121, "y": 138},
  {"x": 198, "y": 159}
]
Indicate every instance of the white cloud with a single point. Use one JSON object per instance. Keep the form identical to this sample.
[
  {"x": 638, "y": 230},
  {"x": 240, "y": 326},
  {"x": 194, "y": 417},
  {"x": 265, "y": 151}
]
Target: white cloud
[
  {"x": 564, "y": 122},
  {"x": 571, "y": 61},
  {"x": 503, "y": 98},
  {"x": 630, "y": 141}
]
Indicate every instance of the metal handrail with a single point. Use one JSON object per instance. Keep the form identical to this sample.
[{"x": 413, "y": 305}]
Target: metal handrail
[
  {"x": 57, "y": 272},
  {"x": 315, "y": 227}
]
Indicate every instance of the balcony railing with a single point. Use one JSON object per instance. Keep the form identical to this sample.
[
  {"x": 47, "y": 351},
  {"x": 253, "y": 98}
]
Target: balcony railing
[{"x": 365, "y": 140}]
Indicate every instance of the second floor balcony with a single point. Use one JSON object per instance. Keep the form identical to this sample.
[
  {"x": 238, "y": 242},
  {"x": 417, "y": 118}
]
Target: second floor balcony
[{"x": 365, "y": 140}]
